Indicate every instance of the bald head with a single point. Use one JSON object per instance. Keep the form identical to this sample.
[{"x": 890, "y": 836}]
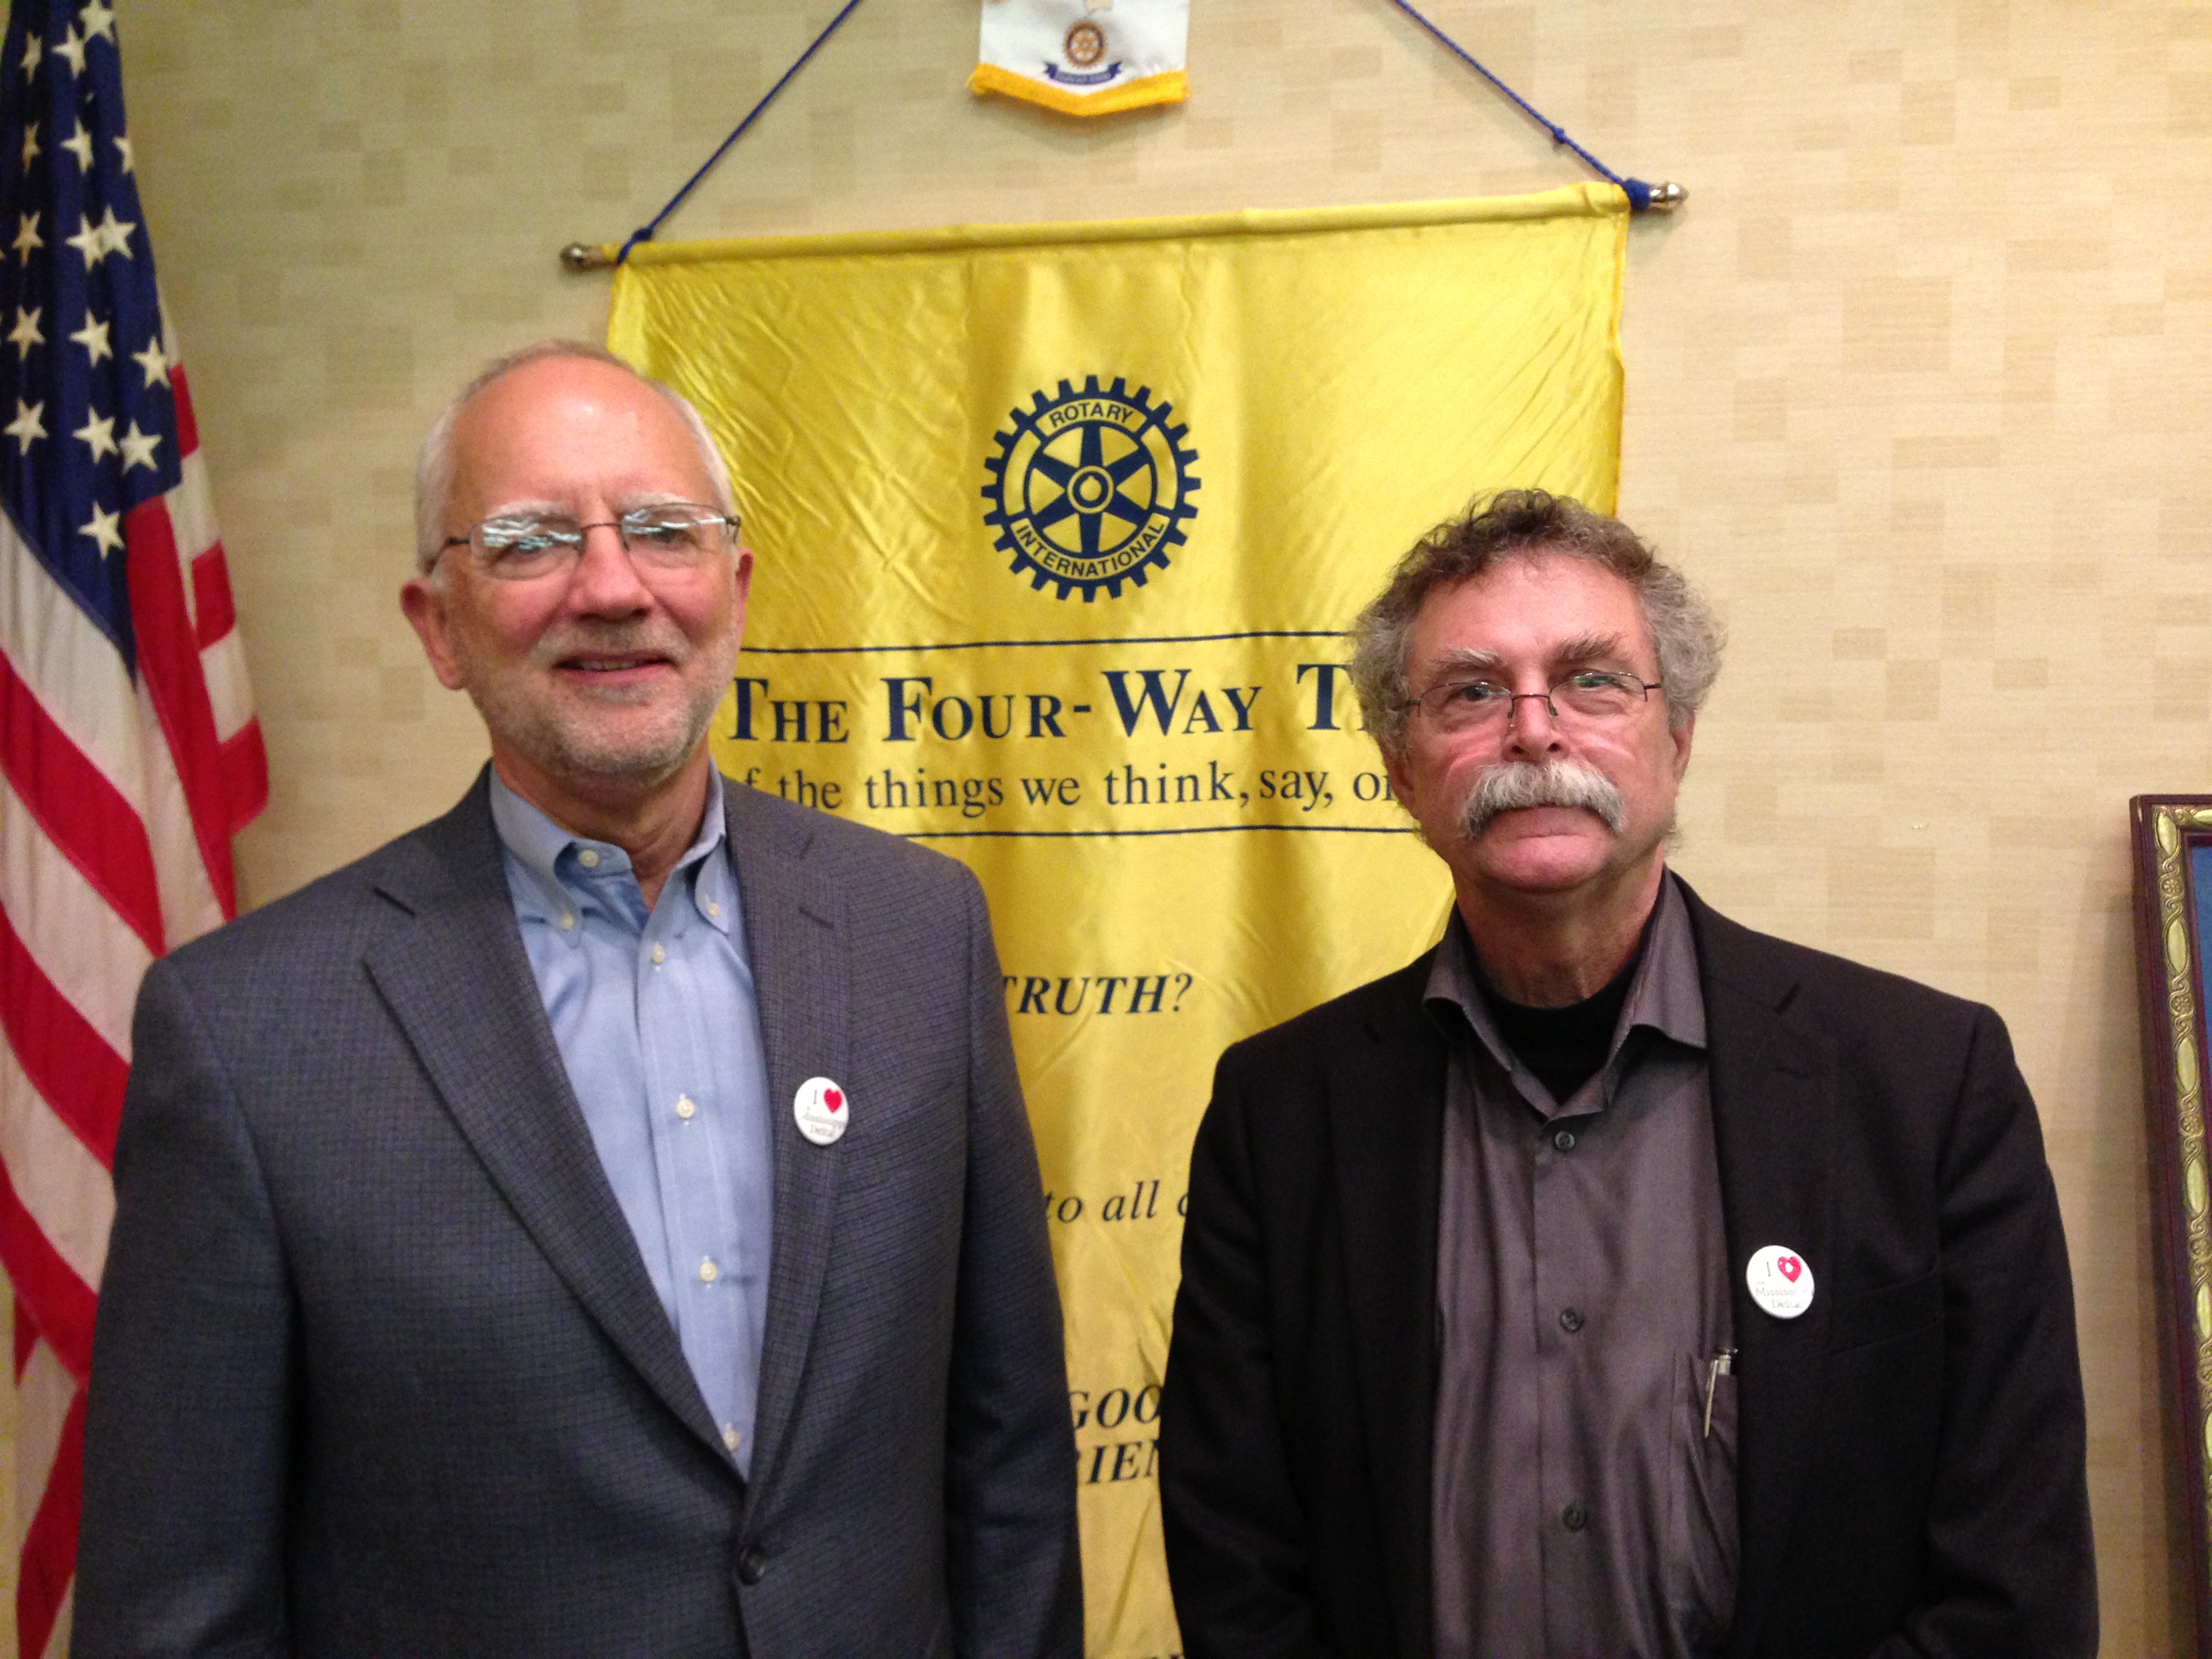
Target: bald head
[{"x": 437, "y": 462}]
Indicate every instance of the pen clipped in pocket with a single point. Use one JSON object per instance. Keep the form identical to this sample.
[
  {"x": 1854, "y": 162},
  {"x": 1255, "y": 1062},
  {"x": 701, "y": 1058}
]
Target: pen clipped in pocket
[{"x": 1703, "y": 1548}]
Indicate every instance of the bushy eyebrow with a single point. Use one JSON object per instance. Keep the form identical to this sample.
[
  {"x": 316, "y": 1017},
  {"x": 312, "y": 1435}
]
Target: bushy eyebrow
[
  {"x": 1583, "y": 648},
  {"x": 1465, "y": 659},
  {"x": 1593, "y": 648}
]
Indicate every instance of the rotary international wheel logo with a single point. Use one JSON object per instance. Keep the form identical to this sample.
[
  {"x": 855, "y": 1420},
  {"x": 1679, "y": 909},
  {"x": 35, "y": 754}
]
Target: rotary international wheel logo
[
  {"x": 1086, "y": 44},
  {"x": 1090, "y": 488}
]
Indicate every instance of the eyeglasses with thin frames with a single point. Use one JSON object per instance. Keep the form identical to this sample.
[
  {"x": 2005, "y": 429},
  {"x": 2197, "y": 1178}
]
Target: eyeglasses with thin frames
[
  {"x": 521, "y": 547},
  {"x": 1589, "y": 698}
]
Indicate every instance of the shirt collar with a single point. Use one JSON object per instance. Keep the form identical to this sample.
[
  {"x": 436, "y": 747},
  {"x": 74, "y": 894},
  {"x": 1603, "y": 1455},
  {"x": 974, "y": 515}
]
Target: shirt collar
[
  {"x": 1665, "y": 995},
  {"x": 559, "y": 880}
]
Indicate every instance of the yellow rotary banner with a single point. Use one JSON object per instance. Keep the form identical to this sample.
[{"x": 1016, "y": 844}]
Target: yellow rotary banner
[{"x": 1058, "y": 530}]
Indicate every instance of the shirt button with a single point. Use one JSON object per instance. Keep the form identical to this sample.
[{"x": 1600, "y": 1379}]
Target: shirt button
[
  {"x": 752, "y": 1565},
  {"x": 731, "y": 1436},
  {"x": 684, "y": 1107},
  {"x": 659, "y": 954},
  {"x": 588, "y": 859},
  {"x": 1565, "y": 1141},
  {"x": 713, "y": 909},
  {"x": 568, "y": 921},
  {"x": 708, "y": 1272},
  {"x": 1575, "y": 1516},
  {"x": 1570, "y": 1320}
]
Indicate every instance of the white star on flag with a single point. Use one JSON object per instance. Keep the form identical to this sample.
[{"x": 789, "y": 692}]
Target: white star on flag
[
  {"x": 138, "y": 448},
  {"x": 90, "y": 241},
  {"x": 130, "y": 749},
  {"x": 116, "y": 234},
  {"x": 26, "y": 426},
  {"x": 154, "y": 363},
  {"x": 105, "y": 529},
  {"x": 98, "y": 432},
  {"x": 93, "y": 336}
]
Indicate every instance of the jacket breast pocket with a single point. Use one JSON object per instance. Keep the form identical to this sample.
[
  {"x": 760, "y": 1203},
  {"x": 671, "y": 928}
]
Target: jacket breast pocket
[{"x": 1882, "y": 1316}]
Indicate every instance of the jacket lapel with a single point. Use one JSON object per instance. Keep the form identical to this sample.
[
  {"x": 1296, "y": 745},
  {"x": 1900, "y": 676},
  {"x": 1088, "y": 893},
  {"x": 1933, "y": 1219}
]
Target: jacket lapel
[
  {"x": 1386, "y": 1122},
  {"x": 1773, "y": 1084},
  {"x": 451, "y": 969},
  {"x": 797, "y": 939}
]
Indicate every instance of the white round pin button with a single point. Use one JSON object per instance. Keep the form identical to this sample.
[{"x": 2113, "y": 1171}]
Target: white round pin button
[
  {"x": 822, "y": 1110},
  {"x": 1781, "y": 1281}
]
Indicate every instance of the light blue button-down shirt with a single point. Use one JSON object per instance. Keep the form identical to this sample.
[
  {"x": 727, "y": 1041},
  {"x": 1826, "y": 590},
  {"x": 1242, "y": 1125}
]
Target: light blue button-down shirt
[{"x": 657, "y": 1020}]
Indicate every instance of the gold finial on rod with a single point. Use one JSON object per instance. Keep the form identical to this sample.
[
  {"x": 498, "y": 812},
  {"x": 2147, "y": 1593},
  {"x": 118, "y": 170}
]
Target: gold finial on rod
[{"x": 580, "y": 257}]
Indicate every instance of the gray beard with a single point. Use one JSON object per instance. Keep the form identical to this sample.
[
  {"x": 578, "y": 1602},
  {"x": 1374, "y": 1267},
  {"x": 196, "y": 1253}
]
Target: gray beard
[
  {"x": 1515, "y": 786},
  {"x": 570, "y": 749},
  {"x": 566, "y": 746}
]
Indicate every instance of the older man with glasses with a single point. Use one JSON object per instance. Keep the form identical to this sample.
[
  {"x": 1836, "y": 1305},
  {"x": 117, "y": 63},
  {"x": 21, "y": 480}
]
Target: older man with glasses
[
  {"x": 1612, "y": 1282},
  {"x": 605, "y": 1220}
]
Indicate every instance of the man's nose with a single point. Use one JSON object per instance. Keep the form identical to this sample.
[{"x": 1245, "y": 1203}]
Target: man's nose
[
  {"x": 605, "y": 579},
  {"x": 1532, "y": 728}
]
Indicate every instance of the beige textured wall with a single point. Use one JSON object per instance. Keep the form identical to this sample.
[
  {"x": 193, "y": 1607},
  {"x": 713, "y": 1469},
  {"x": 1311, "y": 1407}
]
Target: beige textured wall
[{"x": 1917, "y": 385}]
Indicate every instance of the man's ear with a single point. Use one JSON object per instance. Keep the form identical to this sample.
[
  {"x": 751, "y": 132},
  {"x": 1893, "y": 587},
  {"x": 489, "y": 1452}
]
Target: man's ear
[
  {"x": 425, "y": 605},
  {"x": 1401, "y": 780},
  {"x": 1681, "y": 735},
  {"x": 744, "y": 583}
]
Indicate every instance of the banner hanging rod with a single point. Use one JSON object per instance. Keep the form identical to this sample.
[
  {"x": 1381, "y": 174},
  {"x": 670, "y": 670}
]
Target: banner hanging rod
[{"x": 582, "y": 257}]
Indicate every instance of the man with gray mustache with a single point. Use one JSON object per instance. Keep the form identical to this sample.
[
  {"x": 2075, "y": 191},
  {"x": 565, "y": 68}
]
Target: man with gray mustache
[
  {"x": 1521, "y": 786},
  {"x": 1612, "y": 1282},
  {"x": 602, "y": 1221}
]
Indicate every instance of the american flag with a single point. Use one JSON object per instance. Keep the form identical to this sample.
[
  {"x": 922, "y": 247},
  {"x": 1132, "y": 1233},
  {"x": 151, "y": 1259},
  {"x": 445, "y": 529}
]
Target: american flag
[{"x": 129, "y": 753}]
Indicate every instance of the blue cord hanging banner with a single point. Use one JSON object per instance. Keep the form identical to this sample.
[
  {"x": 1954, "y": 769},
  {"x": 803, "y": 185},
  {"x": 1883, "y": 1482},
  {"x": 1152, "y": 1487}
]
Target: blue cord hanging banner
[
  {"x": 1642, "y": 197},
  {"x": 581, "y": 256}
]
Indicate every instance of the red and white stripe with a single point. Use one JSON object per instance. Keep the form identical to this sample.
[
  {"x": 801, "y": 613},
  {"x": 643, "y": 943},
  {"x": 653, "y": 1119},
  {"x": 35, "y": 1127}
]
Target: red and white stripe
[{"x": 117, "y": 802}]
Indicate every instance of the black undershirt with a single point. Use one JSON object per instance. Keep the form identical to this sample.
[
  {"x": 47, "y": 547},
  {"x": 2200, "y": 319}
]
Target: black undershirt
[{"x": 1565, "y": 1047}]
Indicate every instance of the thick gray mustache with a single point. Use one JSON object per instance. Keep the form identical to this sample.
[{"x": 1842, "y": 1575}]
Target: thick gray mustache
[{"x": 1514, "y": 785}]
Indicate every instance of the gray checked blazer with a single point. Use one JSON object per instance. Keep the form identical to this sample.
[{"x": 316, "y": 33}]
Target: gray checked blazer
[{"x": 378, "y": 1367}]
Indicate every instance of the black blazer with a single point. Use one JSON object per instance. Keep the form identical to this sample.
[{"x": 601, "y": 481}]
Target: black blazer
[{"x": 1911, "y": 1471}]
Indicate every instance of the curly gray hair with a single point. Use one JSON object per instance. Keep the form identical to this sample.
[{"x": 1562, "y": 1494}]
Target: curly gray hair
[{"x": 1523, "y": 524}]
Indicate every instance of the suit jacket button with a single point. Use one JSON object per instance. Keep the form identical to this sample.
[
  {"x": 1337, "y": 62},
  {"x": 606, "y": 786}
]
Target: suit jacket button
[
  {"x": 1575, "y": 1516},
  {"x": 752, "y": 1565}
]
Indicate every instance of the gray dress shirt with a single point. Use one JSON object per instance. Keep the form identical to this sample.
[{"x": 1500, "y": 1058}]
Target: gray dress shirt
[
  {"x": 1582, "y": 1507},
  {"x": 658, "y": 1028}
]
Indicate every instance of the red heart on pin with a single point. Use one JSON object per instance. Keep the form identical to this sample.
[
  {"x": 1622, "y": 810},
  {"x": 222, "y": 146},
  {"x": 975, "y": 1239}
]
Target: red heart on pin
[
  {"x": 1791, "y": 1267},
  {"x": 833, "y": 1100}
]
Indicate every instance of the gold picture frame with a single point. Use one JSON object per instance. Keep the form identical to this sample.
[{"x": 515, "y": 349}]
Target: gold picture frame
[{"x": 2172, "y": 844}]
